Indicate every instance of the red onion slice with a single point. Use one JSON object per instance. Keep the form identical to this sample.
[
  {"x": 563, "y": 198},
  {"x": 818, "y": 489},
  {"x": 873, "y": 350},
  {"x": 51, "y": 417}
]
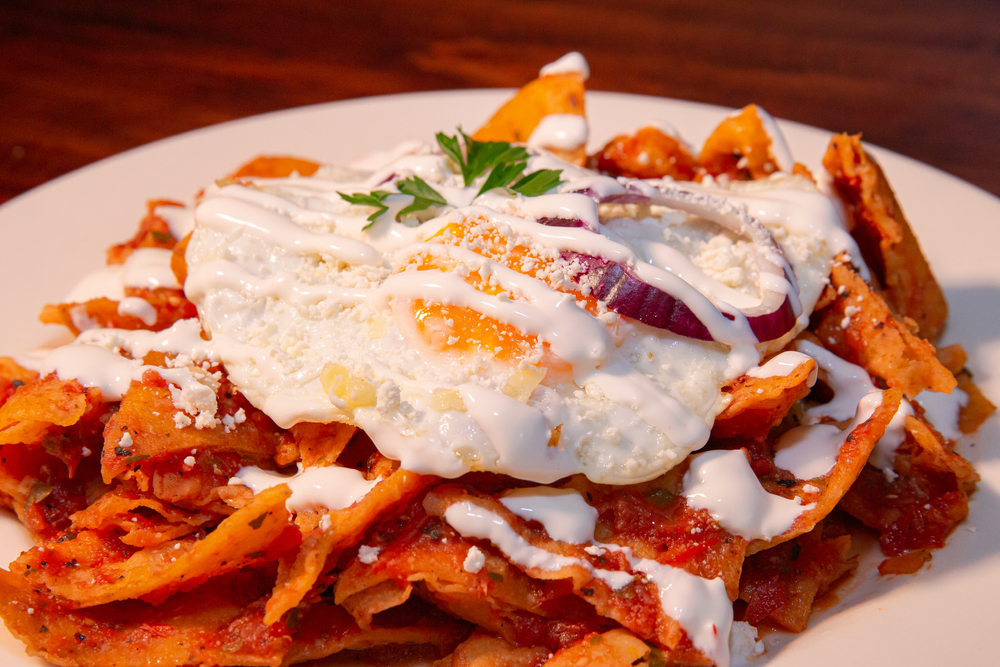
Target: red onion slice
[
  {"x": 627, "y": 295},
  {"x": 562, "y": 222}
]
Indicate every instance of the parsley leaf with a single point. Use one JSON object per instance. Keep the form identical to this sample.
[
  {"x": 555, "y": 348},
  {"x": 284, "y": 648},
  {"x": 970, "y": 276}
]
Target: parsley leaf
[
  {"x": 537, "y": 182},
  {"x": 503, "y": 161},
  {"x": 370, "y": 199},
  {"x": 451, "y": 148},
  {"x": 424, "y": 196},
  {"x": 501, "y": 175}
]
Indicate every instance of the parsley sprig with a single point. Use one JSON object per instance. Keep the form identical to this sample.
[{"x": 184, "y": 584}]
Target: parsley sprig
[
  {"x": 368, "y": 199},
  {"x": 424, "y": 196},
  {"x": 504, "y": 162}
]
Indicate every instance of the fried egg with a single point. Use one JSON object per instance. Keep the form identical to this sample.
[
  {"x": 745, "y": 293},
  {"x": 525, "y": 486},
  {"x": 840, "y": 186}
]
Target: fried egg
[{"x": 463, "y": 339}]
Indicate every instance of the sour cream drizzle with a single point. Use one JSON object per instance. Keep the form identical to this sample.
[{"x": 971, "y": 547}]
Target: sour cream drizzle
[
  {"x": 330, "y": 488},
  {"x": 701, "y": 606}
]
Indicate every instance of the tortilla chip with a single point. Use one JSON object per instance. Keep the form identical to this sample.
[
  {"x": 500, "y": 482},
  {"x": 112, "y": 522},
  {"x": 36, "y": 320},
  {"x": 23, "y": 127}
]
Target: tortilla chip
[
  {"x": 154, "y": 232},
  {"x": 153, "y": 423},
  {"x": 216, "y": 624},
  {"x": 884, "y": 236},
  {"x": 646, "y": 153},
  {"x": 46, "y": 406},
  {"x": 834, "y": 485},
  {"x": 347, "y": 526},
  {"x": 12, "y": 376},
  {"x": 518, "y": 118},
  {"x": 927, "y": 496},
  {"x": 739, "y": 148},
  {"x": 482, "y": 650},
  {"x": 275, "y": 166},
  {"x": 170, "y": 306},
  {"x": 759, "y": 404},
  {"x": 781, "y": 584},
  {"x": 977, "y": 410},
  {"x": 253, "y": 535},
  {"x": 614, "y": 648},
  {"x": 328, "y": 629},
  {"x": 321, "y": 444},
  {"x": 859, "y": 327}
]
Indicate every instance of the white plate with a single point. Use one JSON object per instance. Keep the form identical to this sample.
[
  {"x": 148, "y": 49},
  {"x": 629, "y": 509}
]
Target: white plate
[{"x": 56, "y": 233}]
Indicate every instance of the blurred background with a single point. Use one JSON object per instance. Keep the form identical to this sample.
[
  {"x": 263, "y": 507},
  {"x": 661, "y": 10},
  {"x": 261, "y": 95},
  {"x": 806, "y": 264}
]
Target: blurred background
[{"x": 80, "y": 81}]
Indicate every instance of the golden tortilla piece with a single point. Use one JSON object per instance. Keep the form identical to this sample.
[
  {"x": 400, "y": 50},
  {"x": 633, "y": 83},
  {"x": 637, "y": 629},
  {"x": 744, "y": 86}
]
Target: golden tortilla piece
[{"x": 884, "y": 236}]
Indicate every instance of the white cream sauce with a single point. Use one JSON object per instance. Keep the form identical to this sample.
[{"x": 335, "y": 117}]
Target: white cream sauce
[
  {"x": 144, "y": 268},
  {"x": 942, "y": 410},
  {"x": 809, "y": 452},
  {"x": 561, "y": 131},
  {"x": 783, "y": 365},
  {"x": 723, "y": 483},
  {"x": 571, "y": 62},
  {"x": 701, "y": 606},
  {"x": 137, "y": 307},
  {"x": 565, "y": 514},
  {"x": 330, "y": 488}
]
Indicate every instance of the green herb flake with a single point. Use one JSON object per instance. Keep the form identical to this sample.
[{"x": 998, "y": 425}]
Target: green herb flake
[
  {"x": 656, "y": 659},
  {"x": 368, "y": 199},
  {"x": 596, "y": 639},
  {"x": 659, "y": 497},
  {"x": 587, "y": 592},
  {"x": 66, "y": 538},
  {"x": 496, "y": 576},
  {"x": 137, "y": 457},
  {"x": 162, "y": 237},
  {"x": 259, "y": 521}
]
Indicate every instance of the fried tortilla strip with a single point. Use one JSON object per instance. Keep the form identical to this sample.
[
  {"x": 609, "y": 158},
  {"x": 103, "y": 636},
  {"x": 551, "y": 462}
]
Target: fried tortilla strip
[
  {"x": 328, "y": 629},
  {"x": 276, "y": 166},
  {"x": 656, "y": 522},
  {"x": 254, "y": 534},
  {"x": 850, "y": 462},
  {"x": 44, "y": 406},
  {"x": 636, "y": 606},
  {"x": 216, "y": 624},
  {"x": 170, "y": 306},
  {"x": 759, "y": 404},
  {"x": 423, "y": 554},
  {"x": 927, "y": 497},
  {"x": 154, "y": 232},
  {"x": 178, "y": 260},
  {"x": 12, "y": 376},
  {"x": 884, "y": 236},
  {"x": 482, "y": 650},
  {"x": 740, "y": 148},
  {"x": 518, "y": 118},
  {"x": 977, "y": 410},
  {"x": 116, "y": 510},
  {"x": 647, "y": 153},
  {"x": 347, "y": 526},
  {"x": 859, "y": 327},
  {"x": 781, "y": 584},
  {"x": 153, "y": 425},
  {"x": 321, "y": 444},
  {"x": 615, "y": 648}
]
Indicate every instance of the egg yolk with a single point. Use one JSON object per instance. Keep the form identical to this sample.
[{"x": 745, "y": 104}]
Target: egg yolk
[{"x": 461, "y": 330}]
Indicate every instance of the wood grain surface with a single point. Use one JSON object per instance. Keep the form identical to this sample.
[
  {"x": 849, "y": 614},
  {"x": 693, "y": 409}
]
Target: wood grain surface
[{"x": 80, "y": 81}]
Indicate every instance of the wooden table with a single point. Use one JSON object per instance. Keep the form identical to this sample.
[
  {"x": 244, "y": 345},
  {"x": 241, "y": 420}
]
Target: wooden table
[{"x": 80, "y": 81}]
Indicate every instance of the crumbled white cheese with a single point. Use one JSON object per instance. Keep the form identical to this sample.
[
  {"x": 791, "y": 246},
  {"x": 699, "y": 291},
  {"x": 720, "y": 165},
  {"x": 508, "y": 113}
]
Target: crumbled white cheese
[
  {"x": 367, "y": 554},
  {"x": 474, "y": 560}
]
